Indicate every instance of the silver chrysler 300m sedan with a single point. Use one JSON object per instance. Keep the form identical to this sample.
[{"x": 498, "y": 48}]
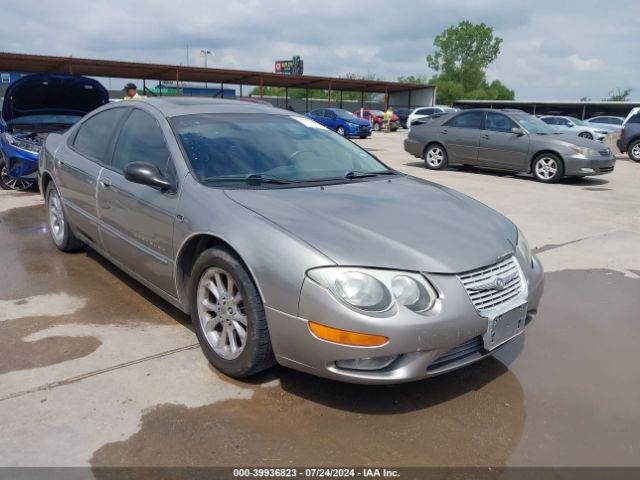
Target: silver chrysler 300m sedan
[{"x": 287, "y": 243}]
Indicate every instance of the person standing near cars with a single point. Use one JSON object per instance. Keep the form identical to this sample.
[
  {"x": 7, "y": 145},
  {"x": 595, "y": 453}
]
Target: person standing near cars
[
  {"x": 132, "y": 92},
  {"x": 388, "y": 115}
]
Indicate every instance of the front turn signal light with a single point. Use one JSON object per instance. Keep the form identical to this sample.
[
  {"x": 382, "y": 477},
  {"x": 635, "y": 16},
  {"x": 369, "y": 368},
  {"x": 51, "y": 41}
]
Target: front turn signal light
[{"x": 345, "y": 337}]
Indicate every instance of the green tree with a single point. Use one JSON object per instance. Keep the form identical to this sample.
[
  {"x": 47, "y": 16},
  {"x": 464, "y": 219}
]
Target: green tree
[
  {"x": 413, "y": 79},
  {"x": 463, "y": 52},
  {"x": 618, "y": 95}
]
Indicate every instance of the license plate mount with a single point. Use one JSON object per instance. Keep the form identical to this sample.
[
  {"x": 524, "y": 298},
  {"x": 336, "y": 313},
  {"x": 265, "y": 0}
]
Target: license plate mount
[{"x": 503, "y": 327}]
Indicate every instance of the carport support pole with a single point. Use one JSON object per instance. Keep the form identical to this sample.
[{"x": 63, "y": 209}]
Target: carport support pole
[
  {"x": 329, "y": 94},
  {"x": 261, "y": 85},
  {"x": 160, "y": 85},
  {"x": 240, "y": 90},
  {"x": 362, "y": 100},
  {"x": 286, "y": 97},
  {"x": 177, "y": 81},
  {"x": 144, "y": 86},
  {"x": 340, "y": 98},
  {"x": 306, "y": 99},
  {"x": 221, "y": 90},
  {"x": 584, "y": 111},
  {"x": 386, "y": 98}
]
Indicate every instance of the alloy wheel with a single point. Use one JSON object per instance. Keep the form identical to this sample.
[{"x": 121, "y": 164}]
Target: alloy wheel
[
  {"x": 56, "y": 217},
  {"x": 13, "y": 183},
  {"x": 435, "y": 157},
  {"x": 586, "y": 135},
  {"x": 635, "y": 152},
  {"x": 222, "y": 313},
  {"x": 546, "y": 168}
]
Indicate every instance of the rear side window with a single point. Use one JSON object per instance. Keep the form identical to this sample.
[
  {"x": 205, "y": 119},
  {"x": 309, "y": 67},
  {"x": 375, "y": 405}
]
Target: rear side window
[
  {"x": 466, "y": 120},
  {"x": 140, "y": 140},
  {"x": 635, "y": 119},
  {"x": 94, "y": 135}
]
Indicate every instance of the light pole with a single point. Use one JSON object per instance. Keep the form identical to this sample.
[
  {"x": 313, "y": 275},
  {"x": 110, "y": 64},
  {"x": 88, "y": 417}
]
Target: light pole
[{"x": 205, "y": 53}]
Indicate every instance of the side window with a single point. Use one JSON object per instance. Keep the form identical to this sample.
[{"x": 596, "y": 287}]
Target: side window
[
  {"x": 550, "y": 121},
  {"x": 140, "y": 140},
  {"x": 499, "y": 122},
  {"x": 635, "y": 118},
  {"x": 94, "y": 134},
  {"x": 466, "y": 120},
  {"x": 615, "y": 121}
]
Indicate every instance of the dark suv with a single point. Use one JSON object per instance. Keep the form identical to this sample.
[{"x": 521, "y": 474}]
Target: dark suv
[{"x": 629, "y": 141}]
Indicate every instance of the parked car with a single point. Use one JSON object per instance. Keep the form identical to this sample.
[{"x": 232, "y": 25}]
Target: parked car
[
  {"x": 423, "y": 112},
  {"x": 403, "y": 115},
  {"x": 376, "y": 118},
  {"x": 507, "y": 140},
  {"x": 575, "y": 126},
  {"x": 288, "y": 243},
  {"x": 33, "y": 107},
  {"x": 341, "y": 121},
  {"x": 629, "y": 141},
  {"x": 611, "y": 123}
]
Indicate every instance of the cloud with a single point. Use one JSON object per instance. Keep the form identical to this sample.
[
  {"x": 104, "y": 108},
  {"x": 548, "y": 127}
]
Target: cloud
[{"x": 548, "y": 45}]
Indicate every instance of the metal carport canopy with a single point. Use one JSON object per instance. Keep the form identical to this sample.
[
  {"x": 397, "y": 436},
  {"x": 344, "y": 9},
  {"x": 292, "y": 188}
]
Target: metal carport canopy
[{"x": 17, "y": 62}]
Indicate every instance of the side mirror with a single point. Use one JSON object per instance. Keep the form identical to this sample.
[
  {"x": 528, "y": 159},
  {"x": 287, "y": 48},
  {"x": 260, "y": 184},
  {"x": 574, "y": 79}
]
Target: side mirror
[
  {"x": 146, "y": 174},
  {"x": 517, "y": 131},
  {"x": 570, "y": 125}
]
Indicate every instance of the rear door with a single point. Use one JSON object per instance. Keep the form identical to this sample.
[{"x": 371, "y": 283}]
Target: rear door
[
  {"x": 461, "y": 136},
  {"x": 136, "y": 221},
  {"x": 500, "y": 147},
  {"x": 78, "y": 165}
]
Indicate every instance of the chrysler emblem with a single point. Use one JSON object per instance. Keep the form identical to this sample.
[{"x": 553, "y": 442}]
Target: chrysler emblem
[{"x": 496, "y": 283}]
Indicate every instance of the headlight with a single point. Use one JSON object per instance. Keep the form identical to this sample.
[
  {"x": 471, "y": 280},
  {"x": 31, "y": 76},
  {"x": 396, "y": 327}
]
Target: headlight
[
  {"x": 524, "y": 248},
  {"x": 584, "y": 151},
  {"x": 21, "y": 144},
  {"x": 375, "y": 290}
]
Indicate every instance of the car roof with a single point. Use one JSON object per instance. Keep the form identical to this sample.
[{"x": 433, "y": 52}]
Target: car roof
[{"x": 176, "y": 106}]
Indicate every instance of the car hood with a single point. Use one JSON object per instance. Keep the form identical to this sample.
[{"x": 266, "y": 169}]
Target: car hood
[
  {"x": 48, "y": 94},
  {"x": 401, "y": 223},
  {"x": 356, "y": 120},
  {"x": 574, "y": 140}
]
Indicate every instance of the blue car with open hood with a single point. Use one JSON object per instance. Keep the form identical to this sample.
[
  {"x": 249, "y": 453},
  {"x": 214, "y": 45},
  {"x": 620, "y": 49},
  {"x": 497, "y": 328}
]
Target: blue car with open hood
[{"x": 33, "y": 107}]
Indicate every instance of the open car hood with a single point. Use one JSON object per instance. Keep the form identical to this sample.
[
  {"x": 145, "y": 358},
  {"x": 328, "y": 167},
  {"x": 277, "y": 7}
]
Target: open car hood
[{"x": 52, "y": 94}]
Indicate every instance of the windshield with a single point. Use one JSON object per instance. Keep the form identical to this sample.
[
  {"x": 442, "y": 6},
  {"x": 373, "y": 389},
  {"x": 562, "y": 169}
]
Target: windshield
[
  {"x": 46, "y": 119},
  {"x": 577, "y": 121},
  {"x": 533, "y": 124},
  {"x": 291, "y": 148},
  {"x": 378, "y": 113},
  {"x": 346, "y": 114}
]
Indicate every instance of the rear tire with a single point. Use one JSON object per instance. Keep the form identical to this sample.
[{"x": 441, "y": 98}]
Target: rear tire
[
  {"x": 228, "y": 315},
  {"x": 340, "y": 130},
  {"x": 435, "y": 157},
  {"x": 376, "y": 127},
  {"x": 634, "y": 151},
  {"x": 59, "y": 227},
  {"x": 547, "y": 168},
  {"x": 586, "y": 135}
]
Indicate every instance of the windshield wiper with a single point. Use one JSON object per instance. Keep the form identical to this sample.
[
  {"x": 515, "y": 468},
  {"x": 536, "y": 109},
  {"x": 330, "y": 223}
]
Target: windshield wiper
[
  {"x": 252, "y": 178},
  {"x": 356, "y": 174}
]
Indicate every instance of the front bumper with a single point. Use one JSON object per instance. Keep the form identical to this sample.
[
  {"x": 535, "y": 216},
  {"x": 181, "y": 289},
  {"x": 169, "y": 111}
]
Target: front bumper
[
  {"x": 21, "y": 164},
  {"x": 580, "y": 166},
  {"x": 426, "y": 344},
  {"x": 358, "y": 131}
]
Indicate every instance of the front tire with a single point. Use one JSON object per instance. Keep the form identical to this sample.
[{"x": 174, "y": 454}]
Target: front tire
[
  {"x": 9, "y": 183},
  {"x": 59, "y": 227},
  {"x": 634, "y": 151},
  {"x": 547, "y": 168},
  {"x": 228, "y": 315},
  {"x": 435, "y": 157}
]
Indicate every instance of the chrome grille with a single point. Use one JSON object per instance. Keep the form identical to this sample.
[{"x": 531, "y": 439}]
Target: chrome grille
[{"x": 482, "y": 289}]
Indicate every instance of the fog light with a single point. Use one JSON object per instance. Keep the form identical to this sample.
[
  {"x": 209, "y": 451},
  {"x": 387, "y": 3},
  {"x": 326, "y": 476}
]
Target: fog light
[
  {"x": 587, "y": 170},
  {"x": 366, "y": 363}
]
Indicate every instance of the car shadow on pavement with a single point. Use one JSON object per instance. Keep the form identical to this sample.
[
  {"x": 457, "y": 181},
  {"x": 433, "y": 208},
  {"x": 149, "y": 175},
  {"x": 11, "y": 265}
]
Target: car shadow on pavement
[
  {"x": 578, "y": 181},
  {"x": 386, "y": 399}
]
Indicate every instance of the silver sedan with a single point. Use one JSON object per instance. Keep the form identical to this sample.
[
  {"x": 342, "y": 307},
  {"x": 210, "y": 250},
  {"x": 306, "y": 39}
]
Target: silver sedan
[{"x": 287, "y": 243}]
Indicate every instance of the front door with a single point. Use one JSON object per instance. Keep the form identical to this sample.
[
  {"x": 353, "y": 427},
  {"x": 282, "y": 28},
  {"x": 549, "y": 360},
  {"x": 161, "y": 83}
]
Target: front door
[
  {"x": 136, "y": 221},
  {"x": 500, "y": 147}
]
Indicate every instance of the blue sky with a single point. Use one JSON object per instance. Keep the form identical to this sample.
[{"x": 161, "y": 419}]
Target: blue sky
[{"x": 552, "y": 50}]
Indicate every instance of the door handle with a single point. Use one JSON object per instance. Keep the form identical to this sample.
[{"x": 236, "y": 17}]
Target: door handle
[
  {"x": 444, "y": 132},
  {"x": 485, "y": 136},
  {"x": 105, "y": 183},
  {"x": 59, "y": 163}
]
